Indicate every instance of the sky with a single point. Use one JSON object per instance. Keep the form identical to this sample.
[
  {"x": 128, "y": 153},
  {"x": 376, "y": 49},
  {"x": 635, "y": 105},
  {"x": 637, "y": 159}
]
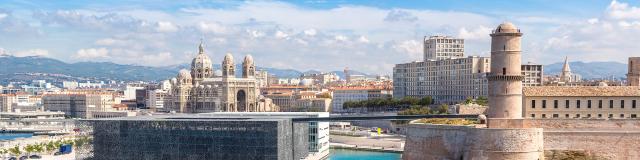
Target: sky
[{"x": 364, "y": 35}]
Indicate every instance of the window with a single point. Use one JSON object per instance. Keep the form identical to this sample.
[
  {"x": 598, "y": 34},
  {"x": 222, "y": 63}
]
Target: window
[
  {"x": 544, "y": 116},
  {"x": 566, "y": 104},
  {"x": 599, "y": 115},
  {"x": 621, "y": 103},
  {"x": 504, "y": 71},
  {"x": 621, "y": 115},
  {"x": 588, "y": 103},
  {"x": 555, "y": 103},
  {"x": 599, "y": 103},
  {"x": 634, "y": 116},
  {"x": 544, "y": 103},
  {"x": 566, "y": 116},
  {"x": 633, "y": 104},
  {"x": 533, "y": 103},
  {"x": 588, "y": 115},
  {"x": 610, "y": 103},
  {"x": 610, "y": 115},
  {"x": 555, "y": 115},
  {"x": 577, "y": 103},
  {"x": 577, "y": 115},
  {"x": 533, "y": 115}
]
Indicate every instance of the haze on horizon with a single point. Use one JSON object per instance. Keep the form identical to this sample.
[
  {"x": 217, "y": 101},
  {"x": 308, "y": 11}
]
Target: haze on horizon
[{"x": 369, "y": 36}]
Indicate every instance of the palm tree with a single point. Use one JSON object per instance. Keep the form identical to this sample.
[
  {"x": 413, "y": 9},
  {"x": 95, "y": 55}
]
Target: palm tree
[{"x": 15, "y": 151}]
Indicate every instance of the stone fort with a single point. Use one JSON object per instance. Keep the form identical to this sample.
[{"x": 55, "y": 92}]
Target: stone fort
[{"x": 507, "y": 135}]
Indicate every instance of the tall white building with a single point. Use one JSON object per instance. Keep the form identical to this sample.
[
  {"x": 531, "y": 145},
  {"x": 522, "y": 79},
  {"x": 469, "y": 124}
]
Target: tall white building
[
  {"x": 447, "y": 76},
  {"x": 533, "y": 75},
  {"x": 443, "y": 47},
  {"x": 446, "y": 81}
]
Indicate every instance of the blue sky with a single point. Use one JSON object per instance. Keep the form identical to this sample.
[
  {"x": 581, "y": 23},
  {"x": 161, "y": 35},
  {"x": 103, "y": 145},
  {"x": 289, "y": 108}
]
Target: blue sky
[{"x": 368, "y": 36}]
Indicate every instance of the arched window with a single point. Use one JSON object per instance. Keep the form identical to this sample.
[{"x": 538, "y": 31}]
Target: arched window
[{"x": 504, "y": 71}]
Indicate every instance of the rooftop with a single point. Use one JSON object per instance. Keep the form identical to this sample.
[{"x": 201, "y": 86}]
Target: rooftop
[{"x": 582, "y": 91}]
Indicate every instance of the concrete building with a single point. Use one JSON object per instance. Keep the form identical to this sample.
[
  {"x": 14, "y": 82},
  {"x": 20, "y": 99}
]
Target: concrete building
[
  {"x": 443, "y": 47},
  {"x": 6, "y": 102},
  {"x": 31, "y": 115},
  {"x": 633, "y": 77},
  {"x": 300, "y": 101},
  {"x": 78, "y": 105},
  {"x": 533, "y": 75},
  {"x": 269, "y": 136},
  {"x": 582, "y": 102},
  {"x": 156, "y": 98},
  {"x": 446, "y": 81},
  {"x": 346, "y": 94},
  {"x": 321, "y": 78}
]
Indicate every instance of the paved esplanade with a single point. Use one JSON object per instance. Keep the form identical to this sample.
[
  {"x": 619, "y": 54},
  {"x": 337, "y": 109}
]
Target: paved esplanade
[{"x": 398, "y": 117}]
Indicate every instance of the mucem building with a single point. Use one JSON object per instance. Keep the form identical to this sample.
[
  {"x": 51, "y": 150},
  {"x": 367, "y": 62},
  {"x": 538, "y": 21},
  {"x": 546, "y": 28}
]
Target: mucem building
[{"x": 194, "y": 136}]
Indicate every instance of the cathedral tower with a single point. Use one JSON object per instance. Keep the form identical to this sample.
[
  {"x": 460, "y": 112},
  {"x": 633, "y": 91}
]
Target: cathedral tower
[
  {"x": 633, "y": 77},
  {"x": 248, "y": 68},
  {"x": 505, "y": 79},
  {"x": 228, "y": 67},
  {"x": 201, "y": 66}
]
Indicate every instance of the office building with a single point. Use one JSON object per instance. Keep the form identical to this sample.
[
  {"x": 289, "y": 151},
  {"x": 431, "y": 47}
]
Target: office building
[
  {"x": 533, "y": 75},
  {"x": 582, "y": 102},
  {"x": 443, "y": 47}
]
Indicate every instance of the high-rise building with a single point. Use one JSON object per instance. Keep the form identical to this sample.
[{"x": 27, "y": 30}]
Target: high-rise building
[
  {"x": 443, "y": 47},
  {"x": 633, "y": 77},
  {"x": 533, "y": 75},
  {"x": 505, "y": 78},
  {"x": 446, "y": 81}
]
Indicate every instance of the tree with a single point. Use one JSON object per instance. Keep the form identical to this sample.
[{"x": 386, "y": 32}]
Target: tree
[
  {"x": 443, "y": 109},
  {"x": 469, "y": 100},
  {"x": 15, "y": 151},
  {"x": 482, "y": 101},
  {"x": 425, "y": 101}
]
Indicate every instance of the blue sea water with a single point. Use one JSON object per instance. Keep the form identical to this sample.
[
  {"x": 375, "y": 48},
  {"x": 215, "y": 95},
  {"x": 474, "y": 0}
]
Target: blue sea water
[
  {"x": 347, "y": 154},
  {"x": 12, "y": 136}
]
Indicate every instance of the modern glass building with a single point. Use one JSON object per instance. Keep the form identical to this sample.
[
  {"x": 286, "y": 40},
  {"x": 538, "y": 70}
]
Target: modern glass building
[{"x": 195, "y": 136}]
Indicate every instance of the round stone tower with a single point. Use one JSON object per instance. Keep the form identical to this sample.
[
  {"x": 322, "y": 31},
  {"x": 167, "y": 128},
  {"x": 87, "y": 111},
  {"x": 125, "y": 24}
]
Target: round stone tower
[{"x": 505, "y": 79}]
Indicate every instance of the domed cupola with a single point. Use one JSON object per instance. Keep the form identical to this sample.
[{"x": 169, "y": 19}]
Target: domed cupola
[
  {"x": 248, "y": 68},
  {"x": 201, "y": 66},
  {"x": 184, "y": 77},
  {"x": 228, "y": 67}
]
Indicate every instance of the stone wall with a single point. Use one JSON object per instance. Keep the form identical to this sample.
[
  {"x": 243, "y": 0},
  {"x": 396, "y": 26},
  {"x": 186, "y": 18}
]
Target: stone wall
[
  {"x": 606, "y": 139},
  {"x": 467, "y": 142}
]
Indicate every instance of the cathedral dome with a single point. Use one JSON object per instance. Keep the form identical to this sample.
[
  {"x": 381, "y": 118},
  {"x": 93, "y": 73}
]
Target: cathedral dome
[
  {"x": 248, "y": 59},
  {"x": 228, "y": 59},
  {"x": 507, "y": 27},
  {"x": 184, "y": 74}
]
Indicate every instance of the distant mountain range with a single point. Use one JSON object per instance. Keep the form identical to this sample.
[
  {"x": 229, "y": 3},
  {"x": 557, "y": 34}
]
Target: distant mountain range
[
  {"x": 590, "y": 70},
  {"x": 111, "y": 71}
]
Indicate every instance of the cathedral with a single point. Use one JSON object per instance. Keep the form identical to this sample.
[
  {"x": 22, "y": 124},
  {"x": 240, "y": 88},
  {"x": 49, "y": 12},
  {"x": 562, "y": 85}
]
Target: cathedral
[{"x": 202, "y": 90}]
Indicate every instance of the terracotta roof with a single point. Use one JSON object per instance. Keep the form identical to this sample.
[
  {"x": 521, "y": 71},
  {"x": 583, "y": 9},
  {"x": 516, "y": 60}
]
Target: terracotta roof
[{"x": 581, "y": 91}]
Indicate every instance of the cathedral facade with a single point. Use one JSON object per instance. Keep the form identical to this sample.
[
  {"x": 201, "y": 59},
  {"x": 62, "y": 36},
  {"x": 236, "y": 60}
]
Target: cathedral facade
[{"x": 202, "y": 90}]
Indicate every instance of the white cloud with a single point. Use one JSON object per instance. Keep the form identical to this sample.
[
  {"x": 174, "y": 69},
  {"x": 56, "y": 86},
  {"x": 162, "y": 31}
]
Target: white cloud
[
  {"x": 310, "y": 32},
  {"x": 92, "y": 53},
  {"x": 106, "y": 41},
  {"x": 3, "y": 15},
  {"x": 618, "y": 10},
  {"x": 159, "y": 59},
  {"x": 363, "y": 39},
  {"x": 164, "y": 26},
  {"x": 341, "y": 38},
  {"x": 281, "y": 35},
  {"x": 32, "y": 52},
  {"x": 481, "y": 33},
  {"x": 411, "y": 48},
  {"x": 211, "y": 27}
]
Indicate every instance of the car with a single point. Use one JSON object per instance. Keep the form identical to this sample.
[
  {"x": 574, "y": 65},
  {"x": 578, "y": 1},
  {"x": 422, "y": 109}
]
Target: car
[
  {"x": 35, "y": 157},
  {"x": 23, "y": 158},
  {"x": 13, "y": 158}
]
